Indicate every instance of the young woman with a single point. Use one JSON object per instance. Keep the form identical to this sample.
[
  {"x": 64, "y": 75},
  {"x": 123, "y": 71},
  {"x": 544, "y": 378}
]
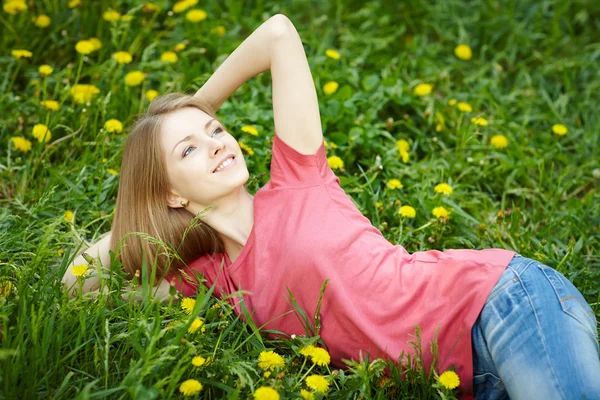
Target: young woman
[{"x": 508, "y": 324}]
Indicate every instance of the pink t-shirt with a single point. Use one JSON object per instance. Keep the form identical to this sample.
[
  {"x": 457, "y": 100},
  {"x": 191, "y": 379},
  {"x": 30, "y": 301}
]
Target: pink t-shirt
[{"x": 307, "y": 229}]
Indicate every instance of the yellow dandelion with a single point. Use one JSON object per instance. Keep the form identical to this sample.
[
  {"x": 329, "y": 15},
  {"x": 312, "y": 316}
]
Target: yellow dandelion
[
  {"x": 179, "y": 46},
  {"x": 320, "y": 356},
  {"x": 250, "y": 129},
  {"x": 122, "y": 57},
  {"x": 218, "y": 30},
  {"x": 394, "y": 184},
  {"x": 379, "y": 205},
  {"x": 306, "y": 395},
  {"x": 308, "y": 350},
  {"x": 181, "y": 6},
  {"x": 198, "y": 361},
  {"x": 449, "y": 379},
  {"x": 267, "y": 374},
  {"x": 463, "y": 52},
  {"x": 330, "y": 88},
  {"x": 269, "y": 360},
  {"x": 14, "y": 7},
  {"x": 113, "y": 126},
  {"x": 19, "y": 53},
  {"x": 80, "y": 270},
  {"x": 60, "y": 252},
  {"x": 41, "y": 133},
  {"x": 134, "y": 78},
  {"x": 84, "y": 47},
  {"x": 42, "y": 21},
  {"x": 560, "y": 129},
  {"x": 196, "y": 15},
  {"x": 403, "y": 148},
  {"x": 68, "y": 216},
  {"x": 479, "y": 121},
  {"x": 335, "y": 162},
  {"x": 464, "y": 106},
  {"x": 317, "y": 383},
  {"x": 151, "y": 94},
  {"x": 266, "y": 393},
  {"x": 441, "y": 123},
  {"x": 74, "y": 3},
  {"x": 45, "y": 70},
  {"x": 190, "y": 387},
  {"x": 187, "y": 304},
  {"x": 452, "y": 102},
  {"x": 246, "y": 148},
  {"x": 96, "y": 43},
  {"x": 111, "y": 15},
  {"x": 150, "y": 8},
  {"x": 423, "y": 89},
  {"x": 440, "y": 212},
  {"x": 197, "y": 324},
  {"x": 127, "y": 18},
  {"x": 332, "y": 53},
  {"x": 499, "y": 141},
  {"x": 169, "y": 57},
  {"x": 83, "y": 93},
  {"x": 443, "y": 188},
  {"x": 407, "y": 212},
  {"x": 21, "y": 143},
  {"x": 112, "y": 171},
  {"x": 51, "y": 105}
]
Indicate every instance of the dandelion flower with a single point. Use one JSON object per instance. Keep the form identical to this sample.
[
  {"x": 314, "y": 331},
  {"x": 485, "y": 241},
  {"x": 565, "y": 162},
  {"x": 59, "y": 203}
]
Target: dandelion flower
[
  {"x": 452, "y": 102},
  {"x": 190, "y": 387},
  {"x": 443, "y": 188},
  {"x": 21, "y": 143},
  {"x": 308, "y": 350},
  {"x": 479, "y": 121},
  {"x": 306, "y": 395},
  {"x": 80, "y": 270},
  {"x": 134, "y": 78},
  {"x": 218, "y": 30},
  {"x": 269, "y": 360},
  {"x": 266, "y": 393},
  {"x": 111, "y": 16},
  {"x": 84, "y": 47},
  {"x": 45, "y": 70},
  {"x": 440, "y": 212},
  {"x": 246, "y": 148},
  {"x": 83, "y": 93},
  {"x": 250, "y": 129},
  {"x": 318, "y": 383},
  {"x": 196, "y": 15},
  {"x": 187, "y": 305},
  {"x": 150, "y": 8},
  {"x": 112, "y": 171},
  {"x": 179, "y": 46},
  {"x": 42, "y": 21},
  {"x": 403, "y": 147},
  {"x": 423, "y": 89},
  {"x": 559, "y": 129},
  {"x": 18, "y": 54},
  {"x": 332, "y": 53},
  {"x": 464, "y": 106},
  {"x": 499, "y": 141},
  {"x": 449, "y": 379},
  {"x": 74, "y": 3},
  {"x": 113, "y": 125},
  {"x": 169, "y": 57},
  {"x": 320, "y": 356},
  {"x": 330, "y": 87},
  {"x": 181, "y": 6},
  {"x": 41, "y": 133},
  {"x": 198, "y": 361},
  {"x": 127, "y": 18},
  {"x": 335, "y": 162},
  {"x": 122, "y": 57},
  {"x": 151, "y": 94},
  {"x": 96, "y": 43},
  {"x": 14, "y": 7},
  {"x": 68, "y": 216},
  {"x": 197, "y": 324},
  {"x": 407, "y": 211},
  {"x": 394, "y": 184},
  {"x": 441, "y": 123},
  {"x": 463, "y": 52}
]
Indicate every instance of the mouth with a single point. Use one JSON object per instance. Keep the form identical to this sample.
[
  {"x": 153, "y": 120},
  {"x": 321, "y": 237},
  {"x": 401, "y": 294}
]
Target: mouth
[{"x": 230, "y": 161}]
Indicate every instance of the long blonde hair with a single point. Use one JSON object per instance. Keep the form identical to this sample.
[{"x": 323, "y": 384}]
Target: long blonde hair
[{"x": 142, "y": 198}]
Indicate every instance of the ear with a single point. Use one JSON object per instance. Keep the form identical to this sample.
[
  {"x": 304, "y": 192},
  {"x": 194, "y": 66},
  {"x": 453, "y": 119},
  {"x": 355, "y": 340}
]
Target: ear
[{"x": 174, "y": 200}]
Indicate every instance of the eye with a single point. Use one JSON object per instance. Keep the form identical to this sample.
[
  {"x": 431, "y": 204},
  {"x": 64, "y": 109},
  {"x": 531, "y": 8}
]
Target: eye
[
  {"x": 218, "y": 129},
  {"x": 185, "y": 153}
]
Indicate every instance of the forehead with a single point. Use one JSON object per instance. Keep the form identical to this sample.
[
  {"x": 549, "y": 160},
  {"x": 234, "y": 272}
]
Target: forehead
[{"x": 180, "y": 123}]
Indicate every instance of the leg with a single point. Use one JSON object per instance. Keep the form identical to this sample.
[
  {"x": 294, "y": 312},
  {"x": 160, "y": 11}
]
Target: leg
[{"x": 536, "y": 338}]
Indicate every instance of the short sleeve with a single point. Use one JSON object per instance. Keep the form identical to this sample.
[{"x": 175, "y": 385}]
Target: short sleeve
[
  {"x": 185, "y": 279},
  {"x": 290, "y": 168}
]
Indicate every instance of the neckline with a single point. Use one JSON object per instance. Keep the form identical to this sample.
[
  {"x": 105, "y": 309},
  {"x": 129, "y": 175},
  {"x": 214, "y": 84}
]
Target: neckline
[{"x": 249, "y": 244}]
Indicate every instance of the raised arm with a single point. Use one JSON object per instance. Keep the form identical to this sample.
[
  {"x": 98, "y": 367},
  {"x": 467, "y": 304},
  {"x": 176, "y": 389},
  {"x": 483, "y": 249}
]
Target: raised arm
[{"x": 274, "y": 45}]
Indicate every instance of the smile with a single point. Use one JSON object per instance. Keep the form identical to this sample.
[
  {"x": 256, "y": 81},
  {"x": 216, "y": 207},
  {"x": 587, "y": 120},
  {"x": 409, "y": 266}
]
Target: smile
[{"x": 225, "y": 165}]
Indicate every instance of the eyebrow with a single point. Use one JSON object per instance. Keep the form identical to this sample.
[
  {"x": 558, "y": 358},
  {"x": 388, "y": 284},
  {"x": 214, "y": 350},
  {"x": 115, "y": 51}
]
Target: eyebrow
[{"x": 188, "y": 137}]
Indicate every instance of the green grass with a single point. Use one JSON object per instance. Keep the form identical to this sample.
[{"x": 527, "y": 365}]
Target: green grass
[{"x": 534, "y": 65}]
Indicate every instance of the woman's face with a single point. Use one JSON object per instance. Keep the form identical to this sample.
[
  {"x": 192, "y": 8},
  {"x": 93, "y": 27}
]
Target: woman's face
[{"x": 195, "y": 144}]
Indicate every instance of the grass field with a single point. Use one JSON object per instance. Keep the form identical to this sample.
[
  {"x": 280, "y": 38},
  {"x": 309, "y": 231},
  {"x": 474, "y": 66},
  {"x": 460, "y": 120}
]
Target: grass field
[{"x": 509, "y": 122}]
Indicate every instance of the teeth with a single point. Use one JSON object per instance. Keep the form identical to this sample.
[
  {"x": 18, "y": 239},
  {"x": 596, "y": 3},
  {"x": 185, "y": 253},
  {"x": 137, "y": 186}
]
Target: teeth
[{"x": 225, "y": 163}]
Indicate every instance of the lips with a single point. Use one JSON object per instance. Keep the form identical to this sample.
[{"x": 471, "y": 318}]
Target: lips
[{"x": 228, "y": 156}]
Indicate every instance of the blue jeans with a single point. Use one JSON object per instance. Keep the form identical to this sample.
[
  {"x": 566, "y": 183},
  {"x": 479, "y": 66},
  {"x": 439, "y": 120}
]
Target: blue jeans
[{"x": 536, "y": 338}]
